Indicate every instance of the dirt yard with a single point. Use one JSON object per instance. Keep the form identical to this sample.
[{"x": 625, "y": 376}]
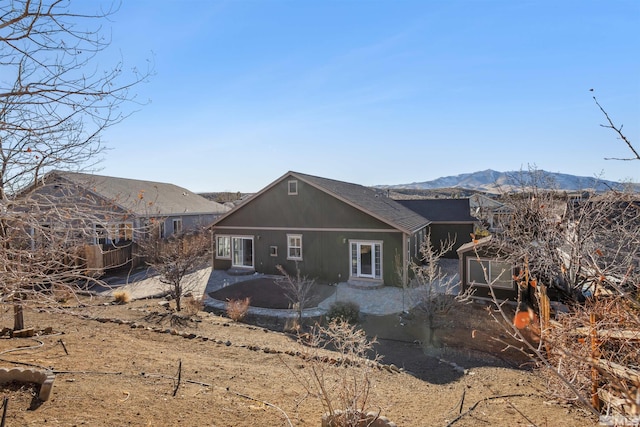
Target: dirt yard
[{"x": 117, "y": 365}]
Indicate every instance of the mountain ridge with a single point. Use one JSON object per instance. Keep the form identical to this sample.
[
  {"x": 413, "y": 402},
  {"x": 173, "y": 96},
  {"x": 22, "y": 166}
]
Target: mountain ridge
[{"x": 491, "y": 181}]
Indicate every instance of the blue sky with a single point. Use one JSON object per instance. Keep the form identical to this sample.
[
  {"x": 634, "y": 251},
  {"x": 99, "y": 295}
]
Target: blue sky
[{"x": 375, "y": 92}]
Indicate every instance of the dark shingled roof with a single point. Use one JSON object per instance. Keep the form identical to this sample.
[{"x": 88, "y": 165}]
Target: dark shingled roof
[
  {"x": 159, "y": 198},
  {"x": 441, "y": 210},
  {"x": 373, "y": 202}
]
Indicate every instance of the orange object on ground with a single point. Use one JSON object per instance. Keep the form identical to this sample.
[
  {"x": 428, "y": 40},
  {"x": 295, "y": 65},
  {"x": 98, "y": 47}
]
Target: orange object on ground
[{"x": 522, "y": 319}]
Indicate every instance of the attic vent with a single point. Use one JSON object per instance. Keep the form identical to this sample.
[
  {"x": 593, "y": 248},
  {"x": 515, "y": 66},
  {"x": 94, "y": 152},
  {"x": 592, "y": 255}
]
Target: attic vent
[{"x": 292, "y": 187}]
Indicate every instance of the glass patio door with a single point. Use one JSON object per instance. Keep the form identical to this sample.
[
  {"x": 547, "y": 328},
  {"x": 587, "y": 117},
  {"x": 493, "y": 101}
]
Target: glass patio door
[
  {"x": 242, "y": 249},
  {"x": 365, "y": 259}
]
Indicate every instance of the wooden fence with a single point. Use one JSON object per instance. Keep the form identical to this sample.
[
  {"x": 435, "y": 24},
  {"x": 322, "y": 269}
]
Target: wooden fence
[{"x": 99, "y": 260}]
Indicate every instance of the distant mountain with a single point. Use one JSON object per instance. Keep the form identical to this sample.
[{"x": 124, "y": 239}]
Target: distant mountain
[{"x": 490, "y": 181}]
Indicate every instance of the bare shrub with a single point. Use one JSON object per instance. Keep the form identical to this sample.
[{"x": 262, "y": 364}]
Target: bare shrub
[
  {"x": 63, "y": 294},
  {"x": 342, "y": 382},
  {"x": 237, "y": 308},
  {"x": 296, "y": 289},
  {"x": 121, "y": 297},
  {"x": 346, "y": 311},
  {"x": 192, "y": 305}
]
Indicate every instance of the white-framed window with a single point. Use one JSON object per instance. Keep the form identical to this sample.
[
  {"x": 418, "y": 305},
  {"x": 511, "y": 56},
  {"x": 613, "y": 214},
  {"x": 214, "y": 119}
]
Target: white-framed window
[
  {"x": 273, "y": 251},
  {"x": 110, "y": 234},
  {"x": 292, "y": 187},
  {"x": 177, "y": 225},
  {"x": 125, "y": 232},
  {"x": 120, "y": 233},
  {"x": 498, "y": 273},
  {"x": 294, "y": 246},
  {"x": 223, "y": 247}
]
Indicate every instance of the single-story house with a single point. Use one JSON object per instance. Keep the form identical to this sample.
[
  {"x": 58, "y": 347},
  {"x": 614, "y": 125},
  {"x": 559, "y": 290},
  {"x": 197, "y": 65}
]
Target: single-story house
[
  {"x": 481, "y": 266},
  {"x": 330, "y": 230},
  {"x": 114, "y": 212},
  {"x": 450, "y": 221}
]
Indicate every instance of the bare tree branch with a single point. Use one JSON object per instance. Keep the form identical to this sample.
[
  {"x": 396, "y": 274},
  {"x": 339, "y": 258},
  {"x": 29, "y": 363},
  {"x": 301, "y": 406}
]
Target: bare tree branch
[{"x": 621, "y": 136}]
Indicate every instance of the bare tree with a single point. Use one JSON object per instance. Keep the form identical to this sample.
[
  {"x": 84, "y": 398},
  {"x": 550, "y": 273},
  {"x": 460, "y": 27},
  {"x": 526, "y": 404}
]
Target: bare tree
[
  {"x": 586, "y": 251},
  {"x": 55, "y": 100},
  {"x": 570, "y": 243},
  {"x": 298, "y": 289},
  {"x": 177, "y": 257},
  {"x": 432, "y": 288}
]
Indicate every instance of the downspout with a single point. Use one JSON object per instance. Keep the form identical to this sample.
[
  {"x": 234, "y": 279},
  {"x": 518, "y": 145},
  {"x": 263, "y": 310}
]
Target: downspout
[
  {"x": 405, "y": 259},
  {"x": 213, "y": 249}
]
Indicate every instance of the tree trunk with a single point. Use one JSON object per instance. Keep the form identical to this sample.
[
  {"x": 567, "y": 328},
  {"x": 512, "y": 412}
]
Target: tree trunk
[
  {"x": 178, "y": 297},
  {"x": 18, "y": 316}
]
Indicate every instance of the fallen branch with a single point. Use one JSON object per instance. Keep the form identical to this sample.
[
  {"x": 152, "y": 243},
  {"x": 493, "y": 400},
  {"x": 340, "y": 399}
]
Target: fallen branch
[
  {"x": 486, "y": 399},
  {"x": 523, "y": 415},
  {"x": 264, "y": 403},
  {"x": 462, "y": 401},
  {"x": 616, "y": 369},
  {"x": 5, "y": 402},
  {"x": 87, "y": 372},
  {"x": 633, "y": 335},
  {"x": 175, "y": 379}
]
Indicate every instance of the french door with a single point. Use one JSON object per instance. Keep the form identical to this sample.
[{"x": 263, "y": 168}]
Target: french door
[{"x": 366, "y": 260}]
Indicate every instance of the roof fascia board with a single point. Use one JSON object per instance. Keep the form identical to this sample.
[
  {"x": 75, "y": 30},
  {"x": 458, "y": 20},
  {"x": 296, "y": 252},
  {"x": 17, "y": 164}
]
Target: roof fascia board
[{"x": 350, "y": 203}]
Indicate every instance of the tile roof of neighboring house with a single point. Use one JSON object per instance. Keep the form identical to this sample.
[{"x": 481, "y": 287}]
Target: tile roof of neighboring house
[
  {"x": 441, "y": 210},
  {"x": 375, "y": 203},
  {"x": 159, "y": 198}
]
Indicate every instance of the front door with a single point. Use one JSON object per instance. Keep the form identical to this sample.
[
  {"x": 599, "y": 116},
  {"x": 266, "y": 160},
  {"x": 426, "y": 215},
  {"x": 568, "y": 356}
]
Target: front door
[
  {"x": 366, "y": 260},
  {"x": 242, "y": 249}
]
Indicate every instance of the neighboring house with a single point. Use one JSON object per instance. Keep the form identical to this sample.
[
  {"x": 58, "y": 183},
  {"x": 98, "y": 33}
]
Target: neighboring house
[
  {"x": 330, "y": 230},
  {"x": 480, "y": 266},
  {"x": 120, "y": 209},
  {"x": 493, "y": 214},
  {"x": 450, "y": 221}
]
